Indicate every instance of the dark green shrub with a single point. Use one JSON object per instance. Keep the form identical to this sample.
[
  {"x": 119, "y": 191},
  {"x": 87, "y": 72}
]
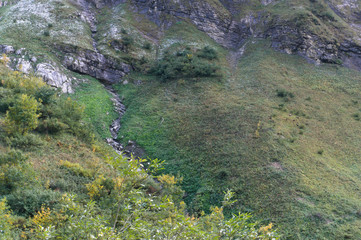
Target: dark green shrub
[
  {"x": 13, "y": 157},
  {"x": 13, "y": 176},
  {"x": 77, "y": 169},
  {"x": 356, "y": 116},
  {"x": 147, "y": 46},
  {"x": 5, "y": 104},
  {"x": 46, "y": 33},
  {"x": 7, "y": 99},
  {"x": 127, "y": 41},
  {"x": 207, "y": 53},
  {"x": 23, "y": 116},
  {"x": 51, "y": 126},
  {"x": 45, "y": 94},
  {"x": 182, "y": 64},
  {"x": 68, "y": 111},
  {"x": 27, "y": 142},
  {"x": 28, "y": 202},
  {"x": 287, "y": 96},
  {"x": 320, "y": 152}
]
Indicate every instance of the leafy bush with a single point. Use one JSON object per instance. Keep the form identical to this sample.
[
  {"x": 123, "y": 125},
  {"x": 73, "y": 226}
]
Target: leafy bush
[
  {"x": 14, "y": 171},
  {"x": 282, "y": 93},
  {"x": 182, "y": 64},
  {"x": 127, "y": 41},
  {"x": 6, "y": 99},
  {"x": 20, "y": 83},
  {"x": 207, "y": 53},
  {"x": 23, "y": 116},
  {"x": 5, "y": 104},
  {"x": 28, "y": 141},
  {"x": 76, "y": 169},
  {"x": 29, "y": 201},
  {"x": 71, "y": 113},
  {"x": 51, "y": 126},
  {"x": 147, "y": 46},
  {"x": 356, "y": 116},
  {"x": 6, "y": 221},
  {"x": 44, "y": 94},
  {"x": 13, "y": 157}
]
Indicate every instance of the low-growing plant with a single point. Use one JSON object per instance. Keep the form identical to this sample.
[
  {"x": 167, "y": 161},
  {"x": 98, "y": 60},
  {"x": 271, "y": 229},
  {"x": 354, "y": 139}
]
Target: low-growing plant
[
  {"x": 45, "y": 94},
  {"x": 356, "y": 116},
  {"x": 13, "y": 157},
  {"x": 29, "y": 201},
  {"x": 282, "y": 93},
  {"x": 76, "y": 169},
  {"x": 127, "y": 42},
  {"x": 6, "y": 221},
  {"x": 25, "y": 142},
  {"x": 207, "y": 53},
  {"x": 51, "y": 126},
  {"x": 182, "y": 64},
  {"x": 147, "y": 46}
]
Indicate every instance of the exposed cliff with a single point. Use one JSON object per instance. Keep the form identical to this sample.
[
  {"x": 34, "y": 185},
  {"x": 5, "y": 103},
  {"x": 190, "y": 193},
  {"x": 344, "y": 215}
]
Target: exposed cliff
[{"x": 311, "y": 28}]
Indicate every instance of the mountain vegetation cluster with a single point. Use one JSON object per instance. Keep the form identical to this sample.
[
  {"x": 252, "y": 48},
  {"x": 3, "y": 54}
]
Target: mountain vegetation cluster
[
  {"x": 180, "y": 119},
  {"x": 117, "y": 198}
]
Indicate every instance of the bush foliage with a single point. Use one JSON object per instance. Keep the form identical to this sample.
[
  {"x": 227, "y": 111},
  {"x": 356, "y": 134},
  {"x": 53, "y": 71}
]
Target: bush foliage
[{"x": 185, "y": 64}]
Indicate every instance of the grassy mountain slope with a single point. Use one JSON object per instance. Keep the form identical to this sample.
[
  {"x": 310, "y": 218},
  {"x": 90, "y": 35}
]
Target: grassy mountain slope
[
  {"x": 282, "y": 133},
  {"x": 57, "y": 181}
]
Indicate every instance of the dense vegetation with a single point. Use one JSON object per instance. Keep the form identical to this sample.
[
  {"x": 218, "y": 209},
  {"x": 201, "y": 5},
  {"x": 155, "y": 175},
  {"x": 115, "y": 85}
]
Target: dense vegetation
[
  {"x": 186, "y": 64},
  {"x": 58, "y": 182},
  {"x": 282, "y": 133}
]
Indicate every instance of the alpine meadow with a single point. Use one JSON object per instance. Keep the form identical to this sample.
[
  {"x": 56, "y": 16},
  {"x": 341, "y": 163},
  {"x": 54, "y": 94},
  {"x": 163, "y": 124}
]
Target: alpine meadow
[{"x": 180, "y": 119}]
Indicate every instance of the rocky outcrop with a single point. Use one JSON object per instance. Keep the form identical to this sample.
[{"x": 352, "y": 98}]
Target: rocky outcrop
[
  {"x": 221, "y": 22},
  {"x": 54, "y": 77},
  {"x": 209, "y": 17},
  {"x": 4, "y": 3},
  {"x": 51, "y": 74},
  {"x": 294, "y": 41},
  {"x": 96, "y": 65},
  {"x": 91, "y": 62},
  {"x": 100, "y": 3},
  {"x": 7, "y": 49}
]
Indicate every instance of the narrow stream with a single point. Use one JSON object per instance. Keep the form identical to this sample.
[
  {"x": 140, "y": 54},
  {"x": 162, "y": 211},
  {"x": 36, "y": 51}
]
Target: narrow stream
[
  {"x": 115, "y": 126},
  {"x": 131, "y": 147}
]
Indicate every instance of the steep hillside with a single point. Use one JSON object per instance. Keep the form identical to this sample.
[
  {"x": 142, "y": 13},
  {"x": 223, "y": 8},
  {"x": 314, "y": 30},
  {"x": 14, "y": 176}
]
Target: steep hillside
[{"x": 260, "y": 97}]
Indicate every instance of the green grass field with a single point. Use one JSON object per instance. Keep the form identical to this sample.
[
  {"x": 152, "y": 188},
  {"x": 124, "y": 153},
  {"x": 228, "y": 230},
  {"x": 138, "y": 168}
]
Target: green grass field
[
  {"x": 99, "y": 108},
  {"x": 291, "y": 159}
]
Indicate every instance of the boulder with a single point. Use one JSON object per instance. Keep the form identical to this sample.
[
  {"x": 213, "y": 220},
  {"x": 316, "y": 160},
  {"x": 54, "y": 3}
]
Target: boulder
[
  {"x": 54, "y": 77},
  {"x": 96, "y": 65}
]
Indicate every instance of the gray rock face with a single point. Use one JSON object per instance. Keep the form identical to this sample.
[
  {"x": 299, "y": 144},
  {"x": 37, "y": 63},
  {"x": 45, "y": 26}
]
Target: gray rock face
[
  {"x": 24, "y": 66},
  {"x": 51, "y": 74},
  {"x": 219, "y": 25},
  {"x": 7, "y": 49},
  {"x": 230, "y": 31},
  {"x": 99, "y": 3},
  {"x": 54, "y": 77},
  {"x": 266, "y": 2},
  {"x": 96, "y": 65}
]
